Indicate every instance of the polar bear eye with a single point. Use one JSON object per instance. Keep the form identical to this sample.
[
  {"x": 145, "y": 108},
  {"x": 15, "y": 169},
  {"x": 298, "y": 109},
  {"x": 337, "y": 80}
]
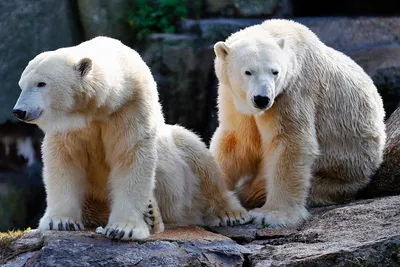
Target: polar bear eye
[
  {"x": 247, "y": 72},
  {"x": 275, "y": 72},
  {"x": 41, "y": 84}
]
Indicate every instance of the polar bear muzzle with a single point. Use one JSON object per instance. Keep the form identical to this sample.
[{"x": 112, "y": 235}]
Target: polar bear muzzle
[{"x": 27, "y": 108}]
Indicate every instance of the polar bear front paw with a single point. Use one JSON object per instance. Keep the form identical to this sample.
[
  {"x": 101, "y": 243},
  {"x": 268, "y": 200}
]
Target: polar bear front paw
[
  {"x": 127, "y": 231},
  {"x": 228, "y": 218},
  {"x": 290, "y": 217},
  {"x": 60, "y": 223}
]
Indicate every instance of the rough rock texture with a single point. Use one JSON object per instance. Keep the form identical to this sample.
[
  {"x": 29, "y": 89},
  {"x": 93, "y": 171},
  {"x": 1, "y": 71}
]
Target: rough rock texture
[
  {"x": 213, "y": 30},
  {"x": 222, "y": 7},
  {"x": 364, "y": 233},
  {"x": 26, "y": 29},
  {"x": 346, "y": 34},
  {"x": 189, "y": 246},
  {"x": 387, "y": 180},
  {"x": 250, "y": 8},
  {"x": 103, "y": 17},
  {"x": 262, "y": 8}
]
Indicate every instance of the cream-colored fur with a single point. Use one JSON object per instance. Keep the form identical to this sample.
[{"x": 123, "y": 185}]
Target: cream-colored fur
[
  {"x": 189, "y": 186},
  {"x": 104, "y": 134},
  {"x": 321, "y": 135}
]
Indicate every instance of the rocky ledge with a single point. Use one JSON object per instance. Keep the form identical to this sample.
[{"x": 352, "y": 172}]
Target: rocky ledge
[{"x": 362, "y": 233}]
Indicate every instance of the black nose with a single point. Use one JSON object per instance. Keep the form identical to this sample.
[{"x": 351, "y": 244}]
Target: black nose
[
  {"x": 20, "y": 114},
  {"x": 261, "y": 102}
]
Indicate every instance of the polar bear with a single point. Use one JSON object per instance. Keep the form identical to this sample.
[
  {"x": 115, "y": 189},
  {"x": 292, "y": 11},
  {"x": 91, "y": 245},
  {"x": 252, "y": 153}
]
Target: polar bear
[
  {"x": 105, "y": 134},
  {"x": 299, "y": 122}
]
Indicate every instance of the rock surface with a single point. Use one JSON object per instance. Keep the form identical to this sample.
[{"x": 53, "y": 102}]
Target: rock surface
[
  {"x": 363, "y": 233},
  {"x": 387, "y": 179},
  {"x": 187, "y": 246},
  {"x": 102, "y": 17},
  {"x": 250, "y": 8},
  {"x": 263, "y": 8},
  {"x": 26, "y": 29}
]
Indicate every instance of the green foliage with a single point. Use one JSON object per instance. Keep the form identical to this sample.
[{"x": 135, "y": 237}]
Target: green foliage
[{"x": 156, "y": 16}]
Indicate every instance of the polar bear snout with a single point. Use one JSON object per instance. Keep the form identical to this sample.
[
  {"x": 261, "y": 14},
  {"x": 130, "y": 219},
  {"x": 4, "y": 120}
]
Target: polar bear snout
[
  {"x": 261, "y": 102},
  {"x": 28, "y": 106},
  {"x": 25, "y": 115},
  {"x": 20, "y": 114}
]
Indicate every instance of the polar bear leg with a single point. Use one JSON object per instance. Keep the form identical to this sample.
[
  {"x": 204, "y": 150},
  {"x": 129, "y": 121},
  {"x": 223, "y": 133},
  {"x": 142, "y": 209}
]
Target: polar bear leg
[{"x": 131, "y": 183}]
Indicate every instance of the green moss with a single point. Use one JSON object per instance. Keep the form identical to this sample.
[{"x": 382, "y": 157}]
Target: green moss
[{"x": 157, "y": 16}]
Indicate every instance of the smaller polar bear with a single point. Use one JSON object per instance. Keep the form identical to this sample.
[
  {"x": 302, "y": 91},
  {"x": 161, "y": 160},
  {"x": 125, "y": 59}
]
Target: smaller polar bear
[
  {"x": 297, "y": 119},
  {"x": 106, "y": 140}
]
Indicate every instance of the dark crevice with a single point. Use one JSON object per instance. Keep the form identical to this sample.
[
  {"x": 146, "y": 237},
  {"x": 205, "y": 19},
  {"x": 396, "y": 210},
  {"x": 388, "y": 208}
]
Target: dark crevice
[{"x": 247, "y": 261}]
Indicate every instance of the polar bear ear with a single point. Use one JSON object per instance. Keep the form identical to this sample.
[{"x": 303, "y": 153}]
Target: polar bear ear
[
  {"x": 84, "y": 66},
  {"x": 281, "y": 43},
  {"x": 221, "y": 50}
]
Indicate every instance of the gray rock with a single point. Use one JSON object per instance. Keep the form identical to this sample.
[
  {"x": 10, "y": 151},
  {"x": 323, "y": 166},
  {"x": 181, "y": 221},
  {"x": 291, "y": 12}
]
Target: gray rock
[
  {"x": 26, "y": 29},
  {"x": 219, "y": 7},
  {"x": 366, "y": 233},
  {"x": 387, "y": 179},
  {"x": 346, "y": 34},
  {"x": 363, "y": 233},
  {"x": 260, "y": 8},
  {"x": 186, "y": 246},
  {"x": 105, "y": 18},
  {"x": 250, "y": 8},
  {"x": 215, "y": 30}
]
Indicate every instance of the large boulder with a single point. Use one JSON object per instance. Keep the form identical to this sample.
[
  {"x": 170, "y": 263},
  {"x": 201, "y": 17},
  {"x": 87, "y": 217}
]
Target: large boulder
[
  {"x": 263, "y": 8},
  {"x": 250, "y": 8},
  {"x": 185, "y": 246},
  {"x": 348, "y": 34},
  {"x": 364, "y": 233},
  {"x": 105, "y": 18},
  {"x": 387, "y": 179},
  {"x": 26, "y": 29}
]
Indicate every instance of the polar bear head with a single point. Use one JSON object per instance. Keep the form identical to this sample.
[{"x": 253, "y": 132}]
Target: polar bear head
[
  {"x": 54, "y": 91},
  {"x": 254, "y": 69}
]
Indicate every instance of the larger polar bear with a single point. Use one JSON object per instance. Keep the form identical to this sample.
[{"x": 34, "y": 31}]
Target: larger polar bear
[
  {"x": 106, "y": 141},
  {"x": 297, "y": 119}
]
